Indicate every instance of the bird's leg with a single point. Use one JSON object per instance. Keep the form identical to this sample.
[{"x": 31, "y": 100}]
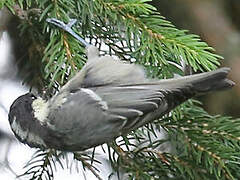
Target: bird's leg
[
  {"x": 92, "y": 51},
  {"x": 68, "y": 28}
]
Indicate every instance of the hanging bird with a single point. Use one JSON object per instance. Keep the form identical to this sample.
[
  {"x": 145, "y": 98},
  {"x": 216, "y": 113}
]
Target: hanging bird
[{"x": 106, "y": 99}]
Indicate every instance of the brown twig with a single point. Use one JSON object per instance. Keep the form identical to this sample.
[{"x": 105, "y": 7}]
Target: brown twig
[
  {"x": 89, "y": 166},
  {"x": 69, "y": 54}
]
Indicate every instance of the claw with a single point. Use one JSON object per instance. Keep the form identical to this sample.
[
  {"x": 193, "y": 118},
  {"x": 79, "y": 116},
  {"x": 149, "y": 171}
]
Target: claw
[{"x": 68, "y": 28}]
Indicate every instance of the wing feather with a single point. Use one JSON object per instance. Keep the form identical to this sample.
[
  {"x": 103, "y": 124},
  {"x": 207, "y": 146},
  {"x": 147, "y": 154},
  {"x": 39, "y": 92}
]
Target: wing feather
[
  {"x": 125, "y": 100},
  {"x": 105, "y": 70}
]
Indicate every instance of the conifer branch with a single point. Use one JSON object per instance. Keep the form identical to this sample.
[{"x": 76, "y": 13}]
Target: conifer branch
[{"x": 201, "y": 146}]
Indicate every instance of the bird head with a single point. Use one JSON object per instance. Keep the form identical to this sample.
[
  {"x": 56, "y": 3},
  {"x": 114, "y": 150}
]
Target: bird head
[
  {"x": 23, "y": 122},
  {"x": 21, "y": 109}
]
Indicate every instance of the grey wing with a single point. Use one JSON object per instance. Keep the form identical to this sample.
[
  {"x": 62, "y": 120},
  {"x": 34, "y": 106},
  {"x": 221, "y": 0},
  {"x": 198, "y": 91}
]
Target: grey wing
[
  {"x": 138, "y": 103},
  {"x": 92, "y": 116},
  {"x": 105, "y": 70},
  {"x": 83, "y": 120},
  {"x": 109, "y": 71}
]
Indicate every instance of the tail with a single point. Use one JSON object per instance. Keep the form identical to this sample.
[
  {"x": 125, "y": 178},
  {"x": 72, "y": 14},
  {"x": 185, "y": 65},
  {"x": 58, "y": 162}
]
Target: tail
[
  {"x": 180, "y": 89},
  {"x": 211, "y": 81},
  {"x": 167, "y": 94}
]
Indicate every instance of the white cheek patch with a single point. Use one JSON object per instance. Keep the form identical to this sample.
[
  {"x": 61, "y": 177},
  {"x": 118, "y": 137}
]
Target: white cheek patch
[
  {"x": 18, "y": 129},
  {"x": 26, "y": 135},
  {"x": 41, "y": 110},
  {"x": 97, "y": 98}
]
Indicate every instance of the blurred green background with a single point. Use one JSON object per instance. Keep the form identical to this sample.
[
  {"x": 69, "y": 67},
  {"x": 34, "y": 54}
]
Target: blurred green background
[{"x": 218, "y": 23}]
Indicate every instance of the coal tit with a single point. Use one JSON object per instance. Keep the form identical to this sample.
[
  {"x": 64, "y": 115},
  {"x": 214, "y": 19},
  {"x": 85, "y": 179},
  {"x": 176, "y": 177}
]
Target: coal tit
[{"x": 106, "y": 99}]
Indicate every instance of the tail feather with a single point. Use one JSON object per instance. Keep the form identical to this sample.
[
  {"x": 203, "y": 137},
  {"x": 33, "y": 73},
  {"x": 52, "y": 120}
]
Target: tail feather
[
  {"x": 200, "y": 83},
  {"x": 180, "y": 89},
  {"x": 212, "y": 81}
]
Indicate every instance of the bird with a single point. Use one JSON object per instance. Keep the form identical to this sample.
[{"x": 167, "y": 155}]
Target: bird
[{"x": 107, "y": 98}]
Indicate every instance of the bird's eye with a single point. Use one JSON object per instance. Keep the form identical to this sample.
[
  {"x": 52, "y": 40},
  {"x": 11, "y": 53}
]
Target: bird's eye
[{"x": 33, "y": 97}]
